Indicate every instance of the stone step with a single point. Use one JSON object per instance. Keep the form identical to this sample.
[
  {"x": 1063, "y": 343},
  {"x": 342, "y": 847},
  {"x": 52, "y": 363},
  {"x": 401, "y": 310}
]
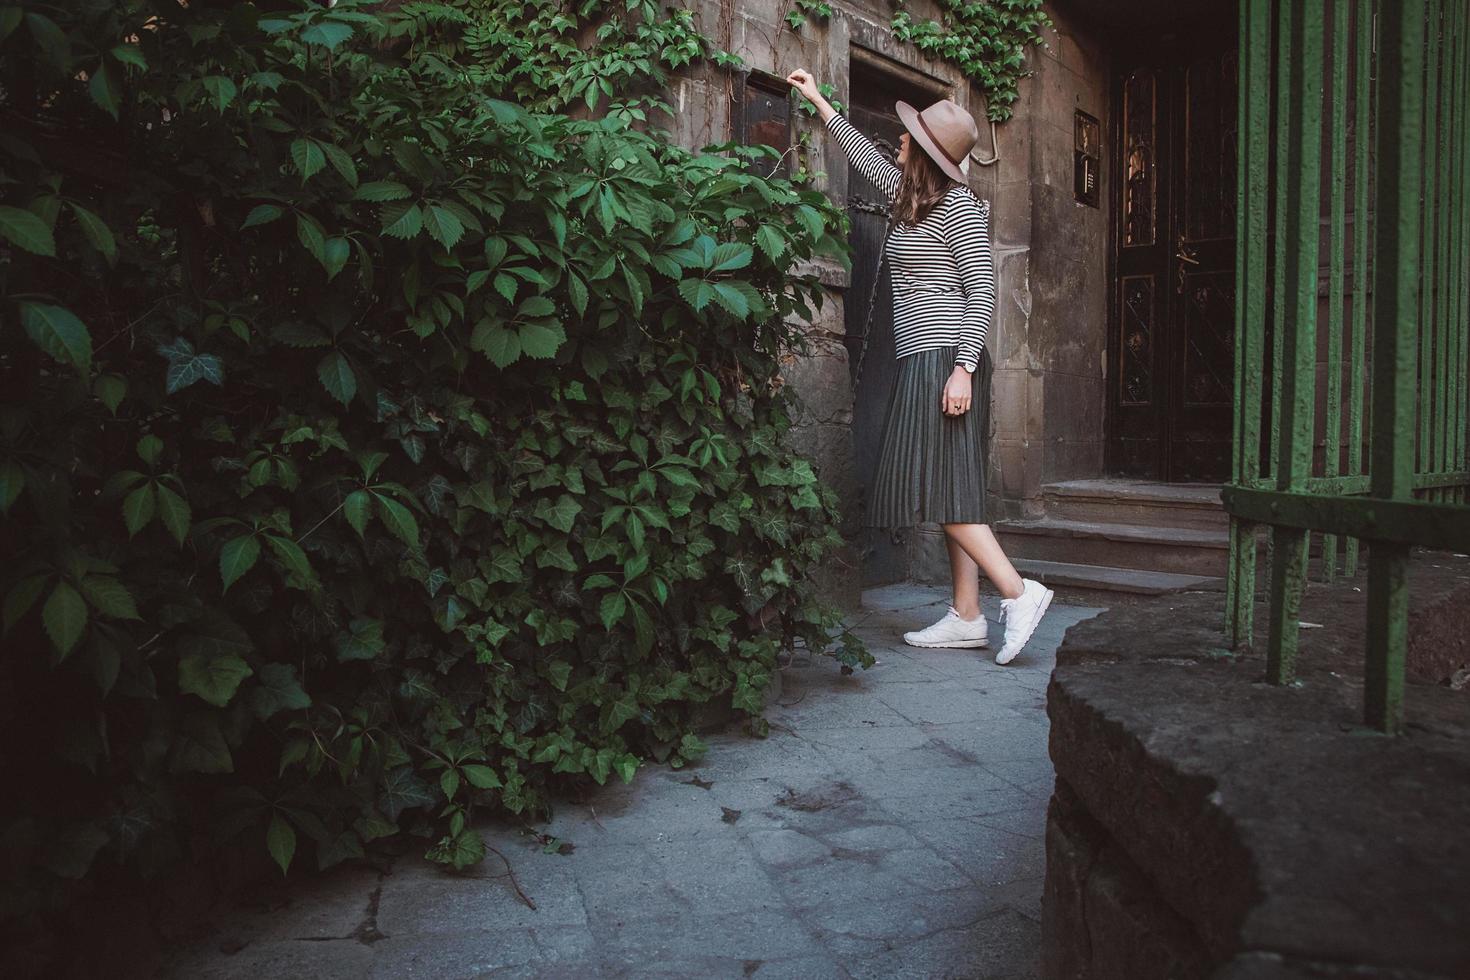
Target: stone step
[
  {"x": 1182, "y": 550},
  {"x": 1060, "y": 574},
  {"x": 1195, "y": 505}
]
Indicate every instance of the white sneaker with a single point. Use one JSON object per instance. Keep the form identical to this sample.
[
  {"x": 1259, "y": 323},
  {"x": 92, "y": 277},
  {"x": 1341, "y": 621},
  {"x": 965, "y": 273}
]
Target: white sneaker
[
  {"x": 952, "y": 632},
  {"x": 1022, "y": 615}
]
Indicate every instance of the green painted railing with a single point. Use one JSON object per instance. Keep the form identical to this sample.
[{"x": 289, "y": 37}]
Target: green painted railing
[{"x": 1316, "y": 204}]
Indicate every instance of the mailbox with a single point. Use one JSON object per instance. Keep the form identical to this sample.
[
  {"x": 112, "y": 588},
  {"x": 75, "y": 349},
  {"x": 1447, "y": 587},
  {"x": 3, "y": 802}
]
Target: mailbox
[{"x": 1086, "y": 156}]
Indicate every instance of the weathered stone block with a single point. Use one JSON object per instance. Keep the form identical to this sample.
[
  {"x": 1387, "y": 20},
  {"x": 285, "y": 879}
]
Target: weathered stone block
[{"x": 1279, "y": 861}]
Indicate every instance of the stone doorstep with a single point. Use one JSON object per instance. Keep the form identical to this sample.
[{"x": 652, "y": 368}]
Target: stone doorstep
[
  {"x": 1104, "y": 578},
  {"x": 1142, "y": 507},
  {"x": 1187, "y": 551},
  {"x": 1266, "y": 817}
]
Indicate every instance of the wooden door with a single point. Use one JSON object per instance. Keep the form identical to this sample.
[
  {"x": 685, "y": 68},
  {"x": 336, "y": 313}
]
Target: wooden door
[
  {"x": 872, "y": 92},
  {"x": 1171, "y": 337}
]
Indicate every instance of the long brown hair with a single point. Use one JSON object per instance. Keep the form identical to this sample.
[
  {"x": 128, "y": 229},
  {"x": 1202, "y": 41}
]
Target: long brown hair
[{"x": 923, "y": 186}]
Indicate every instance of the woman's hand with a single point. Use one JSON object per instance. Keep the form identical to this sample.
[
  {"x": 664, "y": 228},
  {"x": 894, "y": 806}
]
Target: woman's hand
[
  {"x": 958, "y": 391},
  {"x": 803, "y": 82}
]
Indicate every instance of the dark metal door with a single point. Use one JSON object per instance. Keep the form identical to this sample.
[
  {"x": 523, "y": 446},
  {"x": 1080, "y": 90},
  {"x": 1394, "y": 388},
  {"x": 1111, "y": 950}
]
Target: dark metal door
[
  {"x": 886, "y": 555},
  {"x": 1172, "y": 333}
]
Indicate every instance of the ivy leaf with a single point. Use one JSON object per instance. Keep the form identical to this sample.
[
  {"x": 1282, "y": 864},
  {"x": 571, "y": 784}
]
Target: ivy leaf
[
  {"x": 49, "y": 38},
  {"x": 541, "y": 340},
  {"x": 398, "y": 519},
  {"x": 614, "y": 605},
  {"x": 730, "y": 256},
  {"x": 697, "y": 293},
  {"x": 12, "y": 482},
  {"x": 278, "y": 690},
  {"x": 110, "y": 389},
  {"x": 364, "y": 641},
  {"x": 502, "y": 346},
  {"x": 236, "y": 558},
  {"x": 280, "y": 840},
  {"x": 770, "y": 241},
  {"x": 98, "y": 235},
  {"x": 296, "y": 334},
  {"x": 102, "y": 87},
  {"x": 357, "y": 509},
  {"x": 185, "y": 366},
  {"x": 402, "y": 790},
  {"x": 482, "y": 777},
  {"x": 337, "y": 376},
  {"x": 381, "y": 190},
  {"x": 58, "y": 332},
  {"x": 214, "y": 678},
  {"x": 335, "y": 253},
  {"x": 562, "y": 514},
  {"x": 65, "y": 618},
  {"x": 138, "y": 508},
  {"x": 341, "y": 162},
  {"x": 130, "y": 54},
  {"x": 261, "y": 214},
  {"x": 731, "y": 299},
  {"x": 402, "y": 220},
  {"x": 221, "y": 89},
  {"x": 442, "y": 226},
  {"x": 109, "y": 597},
  {"x": 307, "y": 157},
  {"x": 311, "y": 237},
  {"x": 174, "y": 510},
  {"x": 327, "y": 33},
  {"x": 577, "y": 290},
  {"x": 299, "y": 573}
]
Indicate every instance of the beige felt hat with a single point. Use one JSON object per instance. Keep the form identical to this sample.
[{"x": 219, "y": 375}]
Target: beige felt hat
[{"x": 946, "y": 132}]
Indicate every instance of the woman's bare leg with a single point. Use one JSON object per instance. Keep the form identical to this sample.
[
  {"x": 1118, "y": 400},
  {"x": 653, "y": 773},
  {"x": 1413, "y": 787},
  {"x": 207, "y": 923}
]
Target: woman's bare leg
[
  {"x": 966, "y": 575},
  {"x": 978, "y": 543}
]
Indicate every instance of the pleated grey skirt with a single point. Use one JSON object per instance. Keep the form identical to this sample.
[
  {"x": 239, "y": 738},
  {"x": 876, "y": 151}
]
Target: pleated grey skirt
[{"x": 931, "y": 466}]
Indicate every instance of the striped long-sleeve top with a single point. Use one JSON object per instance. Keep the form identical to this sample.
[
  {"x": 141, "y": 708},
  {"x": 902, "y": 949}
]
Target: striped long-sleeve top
[{"x": 943, "y": 279}]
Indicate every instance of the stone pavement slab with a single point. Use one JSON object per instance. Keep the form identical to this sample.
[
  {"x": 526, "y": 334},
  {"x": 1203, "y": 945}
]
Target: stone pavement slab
[{"x": 890, "y": 826}]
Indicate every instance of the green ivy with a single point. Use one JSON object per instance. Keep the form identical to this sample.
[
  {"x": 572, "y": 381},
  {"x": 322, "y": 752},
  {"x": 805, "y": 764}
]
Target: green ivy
[
  {"x": 373, "y": 449},
  {"x": 986, "y": 40}
]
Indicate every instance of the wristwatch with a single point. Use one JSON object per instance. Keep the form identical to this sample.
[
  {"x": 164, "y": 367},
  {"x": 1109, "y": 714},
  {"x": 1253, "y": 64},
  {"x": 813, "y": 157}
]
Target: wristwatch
[{"x": 969, "y": 368}]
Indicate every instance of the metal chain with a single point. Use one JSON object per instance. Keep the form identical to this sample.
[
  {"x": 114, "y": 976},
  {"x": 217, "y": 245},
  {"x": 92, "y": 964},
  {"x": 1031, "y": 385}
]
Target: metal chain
[{"x": 872, "y": 301}]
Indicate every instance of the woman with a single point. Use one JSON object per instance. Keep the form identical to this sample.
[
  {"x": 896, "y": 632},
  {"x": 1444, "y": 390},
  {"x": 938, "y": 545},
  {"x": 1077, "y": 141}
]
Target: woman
[{"x": 931, "y": 462}]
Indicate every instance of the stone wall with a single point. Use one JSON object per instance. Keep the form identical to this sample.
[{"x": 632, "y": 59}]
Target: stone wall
[
  {"x": 1207, "y": 824},
  {"x": 1048, "y": 337}
]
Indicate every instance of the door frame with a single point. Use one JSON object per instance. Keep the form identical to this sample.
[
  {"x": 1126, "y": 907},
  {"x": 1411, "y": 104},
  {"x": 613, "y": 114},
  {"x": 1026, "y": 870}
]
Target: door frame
[{"x": 1168, "y": 336}]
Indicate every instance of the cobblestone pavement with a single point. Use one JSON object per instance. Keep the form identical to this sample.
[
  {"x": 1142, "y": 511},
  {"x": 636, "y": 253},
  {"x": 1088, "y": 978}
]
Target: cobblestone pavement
[{"x": 890, "y": 826}]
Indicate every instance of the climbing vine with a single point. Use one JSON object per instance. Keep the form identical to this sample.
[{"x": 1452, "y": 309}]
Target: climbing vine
[{"x": 987, "y": 41}]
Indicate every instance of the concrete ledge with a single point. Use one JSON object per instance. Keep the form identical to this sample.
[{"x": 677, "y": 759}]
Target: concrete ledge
[{"x": 1208, "y": 824}]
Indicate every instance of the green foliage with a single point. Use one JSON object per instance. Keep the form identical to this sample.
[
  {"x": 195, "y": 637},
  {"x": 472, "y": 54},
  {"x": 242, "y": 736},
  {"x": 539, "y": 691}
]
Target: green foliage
[
  {"x": 371, "y": 448},
  {"x": 987, "y": 39},
  {"x": 552, "y": 56}
]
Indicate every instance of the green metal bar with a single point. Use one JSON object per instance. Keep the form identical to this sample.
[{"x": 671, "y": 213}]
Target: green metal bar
[
  {"x": 1363, "y": 105},
  {"x": 1348, "y": 486},
  {"x": 1337, "y": 188},
  {"x": 1391, "y": 521},
  {"x": 1395, "y": 330},
  {"x": 1460, "y": 313},
  {"x": 1439, "y": 423},
  {"x": 1425, "y": 387},
  {"x": 1284, "y": 165},
  {"x": 1298, "y": 341},
  {"x": 1252, "y": 211}
]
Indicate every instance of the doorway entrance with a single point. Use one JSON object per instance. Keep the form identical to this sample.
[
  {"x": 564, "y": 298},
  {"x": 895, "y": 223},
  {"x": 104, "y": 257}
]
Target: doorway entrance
[
  {"x": 1172, "y": 310},
  {"x": 872, "y": 90}
]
